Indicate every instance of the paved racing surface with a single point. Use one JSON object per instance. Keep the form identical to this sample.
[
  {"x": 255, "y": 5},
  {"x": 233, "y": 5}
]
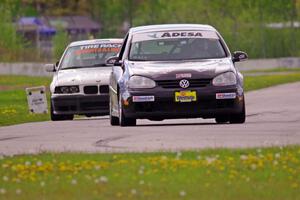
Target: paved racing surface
[{"x": 273, "y": 118}]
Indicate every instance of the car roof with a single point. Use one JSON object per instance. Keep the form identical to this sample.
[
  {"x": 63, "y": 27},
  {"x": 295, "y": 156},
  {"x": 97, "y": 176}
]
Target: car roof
[
  {"x": 96, "y": 41},
  {"x": 170, "y": 27}
]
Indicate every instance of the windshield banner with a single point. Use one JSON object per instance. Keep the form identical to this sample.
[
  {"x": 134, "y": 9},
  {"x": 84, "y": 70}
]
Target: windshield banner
[
  {"x": 98, "y": 48},
  {"x": 174, "y": 34}
]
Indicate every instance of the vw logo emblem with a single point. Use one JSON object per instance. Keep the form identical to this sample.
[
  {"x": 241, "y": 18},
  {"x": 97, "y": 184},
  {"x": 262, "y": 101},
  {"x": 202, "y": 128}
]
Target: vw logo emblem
[{"x": 184, "y": 83}]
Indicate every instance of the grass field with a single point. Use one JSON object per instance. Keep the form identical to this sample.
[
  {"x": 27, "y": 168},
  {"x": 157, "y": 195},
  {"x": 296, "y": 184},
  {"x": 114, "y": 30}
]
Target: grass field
[
  {"x": 13, "y": 102},
  {"x": 272, "y": 173},
  {"x": 279, "y": 69},
  {"x": 259, "y": 82}
]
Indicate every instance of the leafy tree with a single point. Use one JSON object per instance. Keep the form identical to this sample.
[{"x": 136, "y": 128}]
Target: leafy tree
[
  {"x": 59, "y": 7},
  {"x": 11, "y": 44},
  {"x": 60, "y": 42},
  {"x": 243, "y": 24}
]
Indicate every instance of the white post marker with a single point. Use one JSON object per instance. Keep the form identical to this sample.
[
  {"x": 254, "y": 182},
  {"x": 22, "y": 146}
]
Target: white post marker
[{"x": 37, "y": 100}]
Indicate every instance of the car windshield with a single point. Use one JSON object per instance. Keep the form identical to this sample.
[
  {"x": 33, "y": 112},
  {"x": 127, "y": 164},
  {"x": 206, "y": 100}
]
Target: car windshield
[
  {"x": 93, "y": 55},
  {"x": 178, "y": 45}
]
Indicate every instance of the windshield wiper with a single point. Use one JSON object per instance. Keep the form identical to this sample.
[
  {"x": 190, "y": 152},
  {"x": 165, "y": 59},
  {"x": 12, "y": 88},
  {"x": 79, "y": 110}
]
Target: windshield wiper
[
  {"x": 139, "y": 60},
  {"x": 72, "y": 67},
  {"x": 86, "y": 66},
  {"x": 98, "y": 65}
]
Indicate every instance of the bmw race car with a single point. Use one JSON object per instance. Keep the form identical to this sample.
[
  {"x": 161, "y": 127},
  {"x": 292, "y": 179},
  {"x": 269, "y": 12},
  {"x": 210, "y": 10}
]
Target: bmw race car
[
  {"x": 81, "y": 79},
  {"x": 176, "y": 71}
]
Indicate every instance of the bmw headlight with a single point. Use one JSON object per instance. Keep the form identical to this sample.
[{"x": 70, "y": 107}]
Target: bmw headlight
[
  {"x": 227, "y": 78},
  {"x": 64, "y": 89},
  {"x": 139, "y": 82},
  {"x": 74, "y": 89}
]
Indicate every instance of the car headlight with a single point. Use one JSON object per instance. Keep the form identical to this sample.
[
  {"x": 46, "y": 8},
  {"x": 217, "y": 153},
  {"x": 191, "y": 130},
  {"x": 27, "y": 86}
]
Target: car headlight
[
  {"x": 138, "y": 82},
  {"x": 66, "y": 89},
  {"x": 74, "y": 89},
  {"x": 227, "y": 78}
]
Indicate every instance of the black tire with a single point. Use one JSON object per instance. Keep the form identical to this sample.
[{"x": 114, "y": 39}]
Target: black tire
[
  {"x": 55, "y": 117},
  {"x": 221, "y": 119},
  {"x": 125, "y": 121},
  {"x": 239, "y": 118},
  {"x": 114, "y": 121}
]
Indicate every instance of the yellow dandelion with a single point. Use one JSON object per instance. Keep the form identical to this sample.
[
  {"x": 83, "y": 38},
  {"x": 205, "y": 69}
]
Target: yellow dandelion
[
  {"x": 294, "y": 185},
  {"x": 119, "y": 194}
]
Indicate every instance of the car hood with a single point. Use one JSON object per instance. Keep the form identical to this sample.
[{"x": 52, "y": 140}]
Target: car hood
[
  {"x": 96, "y": 75},
  {"x": 159, "y": 70}
]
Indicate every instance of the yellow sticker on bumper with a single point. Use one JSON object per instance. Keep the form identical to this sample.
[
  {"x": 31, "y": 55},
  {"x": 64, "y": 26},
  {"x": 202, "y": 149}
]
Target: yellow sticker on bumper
[{"x": 185, "y": 96}]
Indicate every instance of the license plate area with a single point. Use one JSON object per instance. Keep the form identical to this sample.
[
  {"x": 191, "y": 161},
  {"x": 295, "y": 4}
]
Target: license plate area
[{"x": 185, "y": 96}]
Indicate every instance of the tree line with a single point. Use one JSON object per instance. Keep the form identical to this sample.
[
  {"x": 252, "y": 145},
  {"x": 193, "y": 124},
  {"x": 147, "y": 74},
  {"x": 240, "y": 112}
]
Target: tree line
[{"x": 263, "y": 28}]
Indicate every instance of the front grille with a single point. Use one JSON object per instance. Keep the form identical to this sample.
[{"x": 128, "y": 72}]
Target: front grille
[
  {"x": 66, "y": 108},
  {"x": 103, "y": 89},
  {"x": 194, "y": 83},
  {"x": 93, "y": 105},
  {"x": 93, "y": 89},
  {"x": 191, "y": 107},
  {"x": 225, "y": 103}
]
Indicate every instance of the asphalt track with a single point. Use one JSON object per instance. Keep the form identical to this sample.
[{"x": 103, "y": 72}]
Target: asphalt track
[{"x": 273, "y": 119}]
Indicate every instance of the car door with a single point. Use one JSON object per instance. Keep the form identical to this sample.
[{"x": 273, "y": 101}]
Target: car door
[{"x": 116, "y": 75}]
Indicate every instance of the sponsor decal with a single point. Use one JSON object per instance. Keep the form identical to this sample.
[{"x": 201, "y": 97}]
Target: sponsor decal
[
  {"x": 181, "y": 34},
  {"x": 98, "y": 48},
  {"x": 185, "y": 96},
  {"x": 143, "y": 98},
  {"x": 226, "y": 95},
  {"x": 184, "y": 75},
  {"x": 174, "y": 34}
]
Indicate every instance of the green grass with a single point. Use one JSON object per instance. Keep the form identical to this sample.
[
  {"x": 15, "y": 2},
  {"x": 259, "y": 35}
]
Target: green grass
[
  {"x": 23, "y": 81},
  {"x": 272, "y": 173},
  {"x": 13, "y": 102},
  {"x": 274, "y": 70},
  {"x": 259, "y": 82}
]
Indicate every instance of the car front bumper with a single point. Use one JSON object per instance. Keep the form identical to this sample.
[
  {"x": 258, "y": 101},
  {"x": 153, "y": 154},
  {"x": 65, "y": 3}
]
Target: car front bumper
[
  {"x": 81, "y": 104},
  {"x": 165, "y": 107}
]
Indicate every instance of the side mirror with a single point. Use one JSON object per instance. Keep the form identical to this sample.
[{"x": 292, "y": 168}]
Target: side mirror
[
  {"x": 113, "y": 61},
  {"x": 239, "y": 56},
  {"x": 50, "y": 68}
]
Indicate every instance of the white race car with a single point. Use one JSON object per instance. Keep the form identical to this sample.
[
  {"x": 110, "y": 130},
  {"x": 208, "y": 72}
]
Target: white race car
[{"x": 80, "y": 84}]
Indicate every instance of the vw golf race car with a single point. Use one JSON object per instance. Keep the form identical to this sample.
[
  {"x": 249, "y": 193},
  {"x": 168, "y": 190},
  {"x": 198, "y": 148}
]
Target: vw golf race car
[
  {"x": 81, "y": 79},
  {"x": 176, "y": 71}
]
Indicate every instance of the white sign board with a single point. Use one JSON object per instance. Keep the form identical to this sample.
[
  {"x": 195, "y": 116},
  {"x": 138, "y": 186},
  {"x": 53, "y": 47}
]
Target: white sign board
[{"x": 37, "y": 100}]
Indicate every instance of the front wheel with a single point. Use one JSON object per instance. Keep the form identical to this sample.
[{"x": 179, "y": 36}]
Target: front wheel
[
  {"x": 55, "y": 117},
  {"x": 114, "y": 121},
  {"x": 125, "y": 121},
  {"x": 221, "y": 119},
  {"x": 239, "y": 118}
]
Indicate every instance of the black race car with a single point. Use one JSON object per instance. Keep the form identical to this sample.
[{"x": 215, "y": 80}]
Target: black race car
[{"x": 175, "y": 71}]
